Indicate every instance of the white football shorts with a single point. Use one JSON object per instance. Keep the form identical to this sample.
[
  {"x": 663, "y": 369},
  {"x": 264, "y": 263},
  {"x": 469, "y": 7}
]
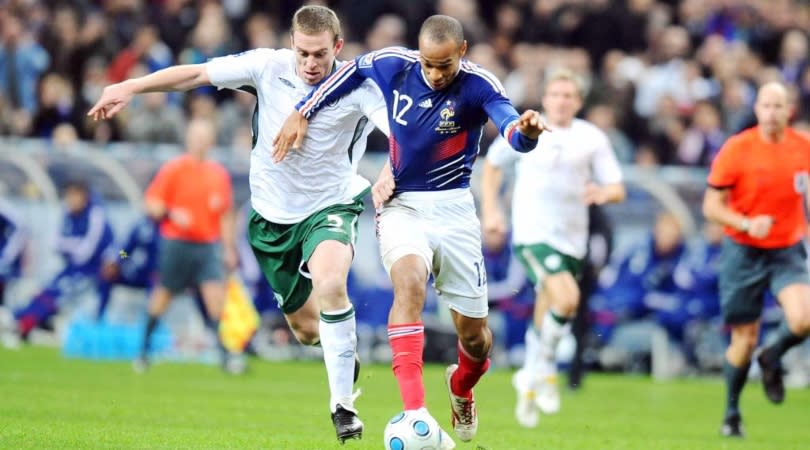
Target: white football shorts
[{"x": 443, "y": 229}]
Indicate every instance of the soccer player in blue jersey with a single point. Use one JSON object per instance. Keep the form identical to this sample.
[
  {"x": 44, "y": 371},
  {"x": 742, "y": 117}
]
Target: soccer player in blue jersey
[
  {"x": 437, "y": 105},
  {"x": 85, "y": 235}
]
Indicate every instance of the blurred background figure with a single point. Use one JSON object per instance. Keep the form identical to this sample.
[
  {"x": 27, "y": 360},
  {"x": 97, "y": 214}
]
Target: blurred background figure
[
  {"x": 131, "y": 262},
  {"x": 192, "y": 198},
  {"x": 600, "y": 247},
  {"x": 631, "y": 287},
  {"x": 85, "y": 235},
  {"x": 14, "y": 237}
]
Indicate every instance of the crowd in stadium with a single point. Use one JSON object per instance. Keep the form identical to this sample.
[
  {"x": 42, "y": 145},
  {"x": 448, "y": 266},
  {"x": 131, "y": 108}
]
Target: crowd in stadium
[{"x": 668, "y": 81}]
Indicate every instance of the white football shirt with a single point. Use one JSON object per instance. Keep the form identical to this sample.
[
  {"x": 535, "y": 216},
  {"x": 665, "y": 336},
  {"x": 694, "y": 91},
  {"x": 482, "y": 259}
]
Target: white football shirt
[
  {"x": 322, "y": 172},
  {"x": 548, "y": 200}
]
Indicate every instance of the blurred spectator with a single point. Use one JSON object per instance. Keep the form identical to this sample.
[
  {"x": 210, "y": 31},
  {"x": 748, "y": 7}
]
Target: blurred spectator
[
  {"x": 152, "y": 119},
  {"x": 260, "y": 31},
  {"x": 85, "y": 235},
  {"x": 735, "y": 104},
  {"x": 211, "y": 37},
  {"x": 698, "y": 293},
  {"x": 703, "y": 139},
  {"x": 604, "y": 117},
  {"x": 146, "y": 48},
  {"x": 174, "y": 19},
  {"x": 131, "y": 262},
  {"x": 14, "y": 236},
  {"x": 668, "y": 76},
  {"x": 630, "y": 287},
  {"x": 57, "y": 105},
  {"x": 793, "y": 58},
  {"x": 388, "y": 31},
  {"x": 22, "y": 61}
]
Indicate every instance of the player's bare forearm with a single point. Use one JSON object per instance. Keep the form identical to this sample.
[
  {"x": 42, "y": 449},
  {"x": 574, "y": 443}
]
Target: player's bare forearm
[
  {"x": 155, "y": 209},
  {"x": 614, "y": 192},
  {"x": 228, "y": 229},
  {"x": 716, "y": 210},
  {"x": 178, "y": 78},
  {"x": 228, "y": 226}
]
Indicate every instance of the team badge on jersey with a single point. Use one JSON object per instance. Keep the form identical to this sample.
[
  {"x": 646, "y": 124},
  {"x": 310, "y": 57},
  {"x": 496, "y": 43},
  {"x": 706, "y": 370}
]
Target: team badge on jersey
[{"x": 446, "y": 114}]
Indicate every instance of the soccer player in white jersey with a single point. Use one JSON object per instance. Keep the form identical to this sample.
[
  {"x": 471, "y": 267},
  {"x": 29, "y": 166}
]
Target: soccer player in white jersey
[
  {"x": 438, "y": 104},
  {"x": 305, "y": 209},
  {"x": 552, "y": 191}
]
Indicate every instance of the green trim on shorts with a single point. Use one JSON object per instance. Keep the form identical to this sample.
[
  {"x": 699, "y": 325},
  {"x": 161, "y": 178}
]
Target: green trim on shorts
[
  {"x": 282, "y": 250},
  {"x": 541, "y": 260}
]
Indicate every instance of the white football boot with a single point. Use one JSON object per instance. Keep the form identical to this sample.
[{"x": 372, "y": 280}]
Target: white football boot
[
  {"x": 526, "y": 411},
  {"x": 547, "y": 395},
  {"x": 464, "y": 415}
]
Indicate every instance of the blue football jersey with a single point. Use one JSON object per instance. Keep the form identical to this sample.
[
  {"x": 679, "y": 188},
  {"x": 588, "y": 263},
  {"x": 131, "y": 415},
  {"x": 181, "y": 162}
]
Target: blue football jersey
[{"x": 434, "y": 133}]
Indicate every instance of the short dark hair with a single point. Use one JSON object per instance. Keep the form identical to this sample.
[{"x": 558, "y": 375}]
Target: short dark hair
[
  {"x": 313, "y": 19},
  {"x": 77, "y": 184},
  {"x": 441, "y": 28}
]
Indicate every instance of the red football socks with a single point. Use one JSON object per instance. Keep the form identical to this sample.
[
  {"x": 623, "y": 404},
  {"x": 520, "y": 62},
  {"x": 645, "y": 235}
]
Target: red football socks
[
  {"x": 468, "y": 373},
  {"x": 407, "y": 343}
]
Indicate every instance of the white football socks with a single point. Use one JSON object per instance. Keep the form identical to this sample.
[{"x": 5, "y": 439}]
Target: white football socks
[
  {"x": 550, "y": 334},
  {"x": 339, "y": 343}
]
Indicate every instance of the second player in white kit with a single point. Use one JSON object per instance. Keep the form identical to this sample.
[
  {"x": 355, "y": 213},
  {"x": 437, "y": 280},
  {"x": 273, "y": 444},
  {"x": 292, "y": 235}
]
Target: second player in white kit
[{"x": 552, "y": 191}]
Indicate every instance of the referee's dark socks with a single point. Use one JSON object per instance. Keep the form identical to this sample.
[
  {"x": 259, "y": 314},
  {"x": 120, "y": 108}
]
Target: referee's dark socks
[
  {"x": 151, "y": 324},
  {"x": 735, "y": 380},
  {"x": 785, "y": 339}
]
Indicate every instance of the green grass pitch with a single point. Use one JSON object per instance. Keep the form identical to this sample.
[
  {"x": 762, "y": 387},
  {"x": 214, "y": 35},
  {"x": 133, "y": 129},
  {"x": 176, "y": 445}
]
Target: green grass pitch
[{"x": 48, "y": 402}]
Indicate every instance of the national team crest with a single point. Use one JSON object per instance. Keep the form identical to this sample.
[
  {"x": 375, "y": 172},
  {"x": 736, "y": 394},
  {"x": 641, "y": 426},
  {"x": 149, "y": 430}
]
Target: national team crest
[{"x": 446, "y": 114}]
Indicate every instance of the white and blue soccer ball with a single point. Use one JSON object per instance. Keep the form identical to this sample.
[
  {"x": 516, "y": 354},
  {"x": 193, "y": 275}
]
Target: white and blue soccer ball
[{"x": 413, "y": 430}]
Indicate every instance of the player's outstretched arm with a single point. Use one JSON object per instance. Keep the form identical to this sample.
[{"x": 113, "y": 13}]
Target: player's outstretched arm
[{"x": 177, "y": 78}]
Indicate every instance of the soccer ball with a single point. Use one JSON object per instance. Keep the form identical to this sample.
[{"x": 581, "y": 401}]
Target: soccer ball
[{"x": 413, "y": 430}]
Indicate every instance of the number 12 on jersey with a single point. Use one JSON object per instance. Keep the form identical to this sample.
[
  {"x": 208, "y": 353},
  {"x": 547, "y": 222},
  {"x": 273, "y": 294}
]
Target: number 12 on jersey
[{"x": 400, "y": 110}]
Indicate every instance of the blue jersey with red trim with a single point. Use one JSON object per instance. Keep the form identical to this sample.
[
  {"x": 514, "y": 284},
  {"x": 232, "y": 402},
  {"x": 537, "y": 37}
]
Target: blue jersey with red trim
[{"x": 434, "y": 133}]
